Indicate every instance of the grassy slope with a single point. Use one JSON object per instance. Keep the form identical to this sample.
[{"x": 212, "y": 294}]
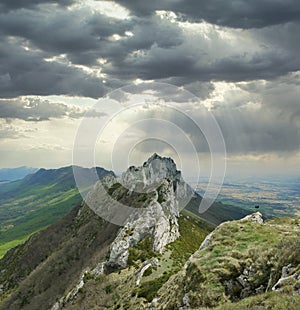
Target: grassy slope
[
  {"x": 237, "y": 246},
  {"x": 118, "y": 290},
  {"x": 42, "y": 207},
  {"x": 218, "y": 212},
  {"x": 269, "y": 301},
  {"x": 37, "y": 272},
  {"x": 33, "y": 203}
]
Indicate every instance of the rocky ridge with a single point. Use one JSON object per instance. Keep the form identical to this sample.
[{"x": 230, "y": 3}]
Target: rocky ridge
[{"x": 156, "y": 190}]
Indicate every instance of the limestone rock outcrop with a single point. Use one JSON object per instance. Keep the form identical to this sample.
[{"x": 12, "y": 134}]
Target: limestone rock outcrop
[{"x": 156, "y": 193}]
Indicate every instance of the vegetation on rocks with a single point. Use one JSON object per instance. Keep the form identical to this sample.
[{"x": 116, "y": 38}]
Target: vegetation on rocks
[{"x": 243, "y": 259}]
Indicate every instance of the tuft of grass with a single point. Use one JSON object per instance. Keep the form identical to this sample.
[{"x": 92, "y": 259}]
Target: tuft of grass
[
  {"x": 261, "y": 251},
  {"x": 141, "y": 252},
  {"x": 272, "y": 300},
  {"x": 149, "y": 289},
  {"x": 192, "y": 233}
]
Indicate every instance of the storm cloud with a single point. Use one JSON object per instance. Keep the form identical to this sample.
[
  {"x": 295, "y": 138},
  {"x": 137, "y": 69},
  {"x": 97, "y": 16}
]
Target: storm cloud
[
  {"x": 35, "y": 109},
  {"x": 82, "y": 51},
  {"x": 241, "y": 58},
  {"x": 238, "y": 14}
]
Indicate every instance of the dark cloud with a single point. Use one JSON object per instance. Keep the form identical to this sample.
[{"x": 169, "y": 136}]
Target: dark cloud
[
  {"x": 145, "y": 47},
  {"x": 153, "y": 30},
  {"x": 81, "y": 36},
  {"x": 176, "y": 62},
  {"x": 35, "y": 109},
  {"x": 63, "y": 32},
  {"x": 136, "y": 36},
  {"x": 237, "y": 14},
  {"x": 26, "y": 72}
]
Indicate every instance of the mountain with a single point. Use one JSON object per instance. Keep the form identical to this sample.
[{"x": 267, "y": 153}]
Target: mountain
[
  {"x": 38, "y": 200},
  {"x": 13, "y": 174},
  {"x": 86, "y": 260}
]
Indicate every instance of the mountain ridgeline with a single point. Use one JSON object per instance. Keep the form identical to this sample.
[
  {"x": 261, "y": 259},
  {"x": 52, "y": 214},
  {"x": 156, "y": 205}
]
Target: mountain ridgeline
[
  {"x": 162, "y": 257},
  {"x": 38, "y": 200},
  {"x": 13, "y": 174}
]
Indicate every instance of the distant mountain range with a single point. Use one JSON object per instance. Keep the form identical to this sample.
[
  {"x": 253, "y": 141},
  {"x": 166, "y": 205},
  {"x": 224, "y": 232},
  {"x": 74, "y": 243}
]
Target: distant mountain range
[{"x": 12, "y": 174}]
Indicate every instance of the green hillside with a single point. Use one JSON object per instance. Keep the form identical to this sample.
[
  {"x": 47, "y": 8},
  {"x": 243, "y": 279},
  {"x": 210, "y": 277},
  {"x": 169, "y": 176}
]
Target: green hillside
[
  {"x": 218, "y": 212},
  {"x": 36, "y": 273},
  {"x": 38, "y": 200},
  {"x": 241, "y": 259}
]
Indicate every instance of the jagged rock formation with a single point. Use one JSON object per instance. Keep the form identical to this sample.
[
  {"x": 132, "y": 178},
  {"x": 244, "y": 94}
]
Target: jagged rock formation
[
  {"x": 156, "y": 189},
  {"x": 153, "y": 172},
  {"x": 158, "y": 221}
]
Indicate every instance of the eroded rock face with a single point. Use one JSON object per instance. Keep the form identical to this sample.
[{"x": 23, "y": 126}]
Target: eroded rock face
[
  {"x": 158, "y": 191},
  {"x": 158, "y": 221},
  {"x": 254, "y": 217},
  {"x": 153, "y": 172}
]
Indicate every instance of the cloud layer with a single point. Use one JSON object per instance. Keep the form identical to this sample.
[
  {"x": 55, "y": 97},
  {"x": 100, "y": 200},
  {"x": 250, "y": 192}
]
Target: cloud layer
[
  {"x": 48, "y": 49},
  {"x": 241, "y": 58}
]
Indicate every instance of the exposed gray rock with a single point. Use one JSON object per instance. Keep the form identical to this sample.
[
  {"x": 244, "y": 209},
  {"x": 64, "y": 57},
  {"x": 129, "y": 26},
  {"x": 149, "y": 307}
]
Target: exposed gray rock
[
  {"x": 72, "y": 294},
  {"x": 260, "y": 289},
  {"x": 146, "y": 265},
  {"x": 286, "y": 273},
  {"x": 98, "y": 270},
  {"x": 254, "y": 217},
  {"x": 152, "y": 173},
  {"x": 186, "y": 302},
  {"x": 158, "y": 221},
  {"x": 154, "y": 303},
  {"x": 166, "y": 193},
  {"x": 109, "y": 180},
  {"x": 243, "y": 280},
  {"x": 240, "y": 287},
  {"x": 206, "y": 241}
]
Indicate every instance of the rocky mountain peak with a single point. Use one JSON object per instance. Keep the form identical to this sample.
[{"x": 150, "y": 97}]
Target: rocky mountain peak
[
  {"x": 153, "y": 192},
  {"x": 152, "y": 172}
]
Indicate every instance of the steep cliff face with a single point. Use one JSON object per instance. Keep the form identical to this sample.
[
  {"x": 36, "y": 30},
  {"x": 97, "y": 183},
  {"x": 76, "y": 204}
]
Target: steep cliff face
[
  {"x": 155, "y": 190},
  {"x": 158, "y": 221}
]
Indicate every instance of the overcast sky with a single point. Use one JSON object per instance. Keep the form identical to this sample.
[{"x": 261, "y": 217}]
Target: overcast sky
[{"x": 240, "y": 58}]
